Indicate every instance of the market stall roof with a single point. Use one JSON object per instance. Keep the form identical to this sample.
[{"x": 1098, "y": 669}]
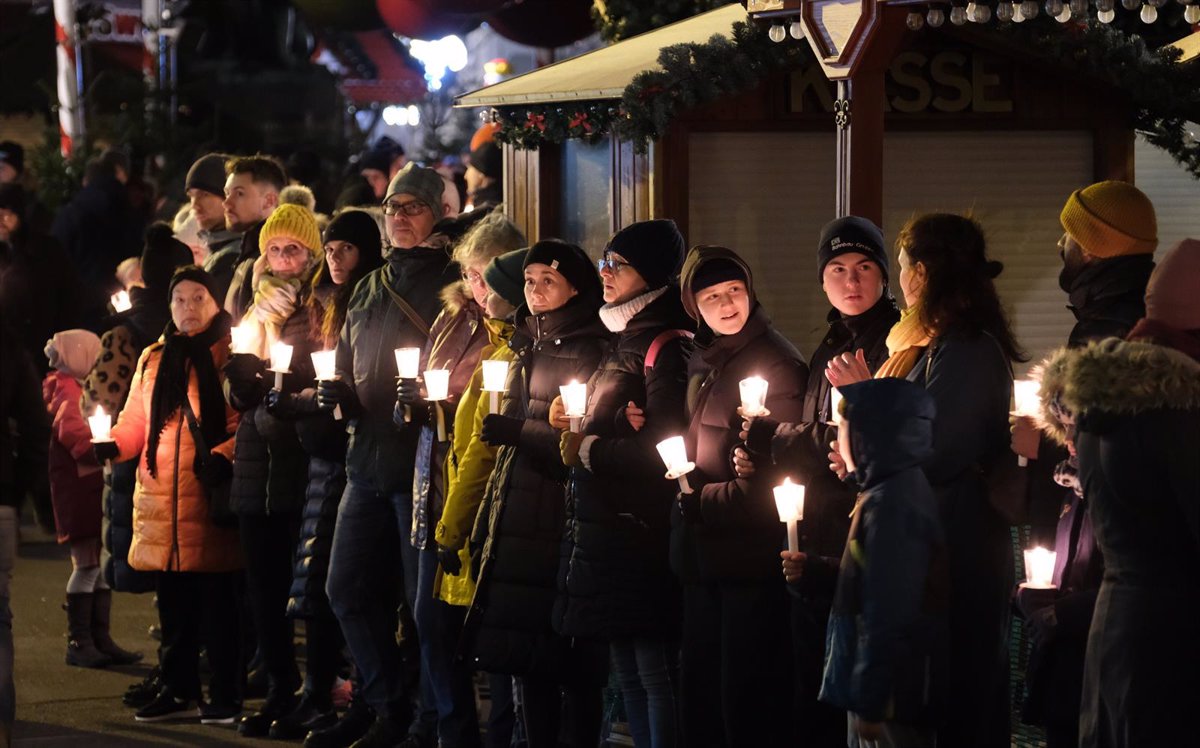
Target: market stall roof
[
  {"x": 395, "y": 81},
  {"x": 1190, "y": 46},
  {"x": 604, "y": 73}
]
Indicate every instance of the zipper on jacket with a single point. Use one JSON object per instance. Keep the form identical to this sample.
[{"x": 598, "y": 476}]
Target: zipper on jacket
[{"x": 175, "y": 492}]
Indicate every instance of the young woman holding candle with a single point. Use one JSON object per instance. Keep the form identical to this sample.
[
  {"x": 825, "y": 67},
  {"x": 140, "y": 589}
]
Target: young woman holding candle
[
  {"x": 559, "y": 337},
  {"x": 195, "y": 559},
  {"x": 615, "y": 583},
  {"x": 726, "y": 535},
  {"x": 270, "y": 470},
  {"x": 954, "y": 339}
]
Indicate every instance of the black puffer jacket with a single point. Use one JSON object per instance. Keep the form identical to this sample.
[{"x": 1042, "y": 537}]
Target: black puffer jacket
[
  {"x": 326, "y": 482},
  {"x": 508, "y": 627},
  {"x": 1108, "y": 296},
  {"x": 616, "y": 580}
]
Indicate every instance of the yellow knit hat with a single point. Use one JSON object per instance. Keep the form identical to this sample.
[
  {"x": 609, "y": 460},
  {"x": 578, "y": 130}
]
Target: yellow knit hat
[
  {"x": 1109, "y": 219},
  {"x": 294, "y": 222}
]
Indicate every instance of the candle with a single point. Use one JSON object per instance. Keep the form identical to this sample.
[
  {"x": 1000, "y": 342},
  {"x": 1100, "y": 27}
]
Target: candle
[
  {"x": 101, "y": 425},
  {"x": 835, "y": 406},
  {"x": 281, "y": 358},
  {"x": 574, "y": 396},
  {"x": 674, "y": 455},
  {"x": 241, "y": 339},
  {"x": 789, "y": 501},
  {"x": 437, "y": 388},
  {"x": 120, "y": 301},
  {"x": 1027, "y": 401},
  {"x": 408, "y": 362},
  {"x": 495, "y": 379},
  {"x": 1039, "y": 568},
  {"x": 754, "y": 397},
  {"x": 325, "y": 365}
]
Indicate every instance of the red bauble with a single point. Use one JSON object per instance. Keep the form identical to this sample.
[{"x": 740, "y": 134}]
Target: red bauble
[
  {"x": 418, "y": 20},
  {"x": 545, "y": 23}
]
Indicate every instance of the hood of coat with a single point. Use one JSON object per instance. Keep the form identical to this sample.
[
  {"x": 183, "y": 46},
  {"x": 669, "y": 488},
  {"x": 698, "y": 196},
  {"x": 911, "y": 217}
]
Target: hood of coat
[
  {"x": 456, "y": 297},
  {"x": 696, "y": 259},
  {"x": 1117, "y": 377},
  {"x": 500, "y": 331},
  {"x": 58, "y": 384},
  {"x": 891, "y": 426}
]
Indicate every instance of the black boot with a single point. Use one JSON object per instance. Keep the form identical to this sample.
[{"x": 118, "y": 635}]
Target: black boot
[
  {"x": 352, "y": 726},
  {"x": 81, "y": 650},
  {"x": 310, "y": 714},
  {"x": 385, "y": 732},
  {"x": 277, "y": 705},
  {"x": 101, "y": 617}
]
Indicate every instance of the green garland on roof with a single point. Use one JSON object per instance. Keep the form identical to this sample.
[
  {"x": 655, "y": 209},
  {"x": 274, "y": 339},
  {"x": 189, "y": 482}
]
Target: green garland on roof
[{"x": 621, "y": 19}]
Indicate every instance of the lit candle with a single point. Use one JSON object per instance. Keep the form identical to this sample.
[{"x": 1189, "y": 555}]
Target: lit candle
[
  {"x": 120, "y": 301},
  {"x": 1039, "y": 568},
  {"x": 281, "y": 358},
  {"x": 437, "y": 388},
  {"x": 241, "y": 339},
  {"x": 325, "y": 365},
  {"x": 495, "y": 379},
  {"x": 674, "y": 455},
  {"x": 789, "y": 501},
  {"x": 101, "y": 425},
  {"x": 408, "y": 362},
  {"x": 835, "y": 406},
  {"x": 574, "y": 396},
  {"x": 1027, "y": 401},
  {"x": 754, "y": 397}
]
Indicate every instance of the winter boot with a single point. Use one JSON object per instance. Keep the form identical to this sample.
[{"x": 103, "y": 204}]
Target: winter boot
[
  {"x": 81, "y": 650},
  {"x": 101, "y": 615}
]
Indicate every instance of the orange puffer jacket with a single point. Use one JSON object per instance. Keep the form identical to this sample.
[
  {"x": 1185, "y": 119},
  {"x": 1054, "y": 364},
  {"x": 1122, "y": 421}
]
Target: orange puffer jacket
[{"x": 171, "y": 528}]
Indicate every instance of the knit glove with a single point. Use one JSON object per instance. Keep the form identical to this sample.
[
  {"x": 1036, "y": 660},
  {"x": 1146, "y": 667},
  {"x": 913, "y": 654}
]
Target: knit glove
[
  {"x": 448, "y": 558},
  {"x": 568, "y": 447},
  {"x": 334, "y": 392},
  {"x": 243, "y": 368},
  {"x": 689, "y": 506},
  {"x": 408, "y": 392},
  {"x": 499, "y": 431},
  {"x": 292, "y": 404},
  {"x": 105, "y": 451},
  {"x": 759, "y": 436}
]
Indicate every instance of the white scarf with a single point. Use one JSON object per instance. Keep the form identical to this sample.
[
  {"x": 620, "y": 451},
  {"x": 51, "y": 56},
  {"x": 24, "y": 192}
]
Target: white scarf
[{"x": 616, "y": 316}]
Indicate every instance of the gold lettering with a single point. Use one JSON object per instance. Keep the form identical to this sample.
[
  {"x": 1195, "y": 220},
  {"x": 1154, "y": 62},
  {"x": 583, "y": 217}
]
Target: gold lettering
[
  {"x": 947, "y": 70},
  {"x": 907, "y": 72}
]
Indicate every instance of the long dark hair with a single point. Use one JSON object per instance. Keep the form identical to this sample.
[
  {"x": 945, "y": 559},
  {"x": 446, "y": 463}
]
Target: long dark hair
[
  {"x": 959, "y": 291},
  {"x": 327, "y": 303}
]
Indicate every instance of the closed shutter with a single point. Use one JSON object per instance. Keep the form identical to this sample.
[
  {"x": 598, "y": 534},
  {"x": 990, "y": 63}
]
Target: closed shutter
[{"x": 1174, "y": 192}]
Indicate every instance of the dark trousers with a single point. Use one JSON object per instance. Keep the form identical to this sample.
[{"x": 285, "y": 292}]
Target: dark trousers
[
  {"x": 200, "y": 609},
  {"x": 818, "y": 725},
  {"x": 323, "y": 638},
  {"x": 574, "y": 697},
  {"x": 736, "y": 665},
  {"x": 447, "y": 693},
  {"x": 502, "y": 714},
  {"x": 371, "y": 559},
  {"x": 269, "y": 546}
]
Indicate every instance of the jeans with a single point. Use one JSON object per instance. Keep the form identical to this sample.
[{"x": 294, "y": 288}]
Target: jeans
[
  {"x": 446, "y": 687},
  {"x": 200, "y": 609},
  {"x": 269, "y": 545},
  {"x": 502, "y": 714},
  {"x": 648, "y": 671},
  {"x": 8, "y": 555},
  {"x": 364, "y": 576}
]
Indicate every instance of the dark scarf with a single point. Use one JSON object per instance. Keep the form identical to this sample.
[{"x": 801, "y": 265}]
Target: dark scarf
[
  {"x": 181, "y": 354},
  {"x": 1101, "y": 284}
]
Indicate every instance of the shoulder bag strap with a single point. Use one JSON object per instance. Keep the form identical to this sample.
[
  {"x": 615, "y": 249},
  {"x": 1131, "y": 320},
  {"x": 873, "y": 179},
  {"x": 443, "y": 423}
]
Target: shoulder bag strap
[
  {"x": 661, "y": 340},
  {"x": 406, "y": 308}
]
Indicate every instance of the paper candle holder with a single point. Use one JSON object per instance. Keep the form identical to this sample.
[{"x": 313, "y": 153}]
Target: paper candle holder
[
  {"x": 1039, "y": 568},
  {"x": 100, "y": 424},
  {"x": 408, "y": 362},
  {"x": 753, "y": 391},
  {"x": 120, "y": 301},
  {"x": 674, "y": 455},
  {"x": 495, "y": 381},
  {"x": 574, "y": 397},
  {"x": 437, "y": 388},
  {"x": 789, "y": 502},
  {"x": 325, "y": 367},
  {"x": 1027, "y": 401},
  {"x": 240, "y": 339}
]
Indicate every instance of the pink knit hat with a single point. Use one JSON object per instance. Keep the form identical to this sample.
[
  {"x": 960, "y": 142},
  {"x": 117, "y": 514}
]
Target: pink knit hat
[{"x": 1171, "y": 294}]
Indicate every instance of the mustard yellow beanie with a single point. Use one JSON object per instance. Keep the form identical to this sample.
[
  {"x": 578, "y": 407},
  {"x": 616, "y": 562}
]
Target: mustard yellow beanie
[
  {"x": 1110, "y": 219},
  {"x": 294, "y": 222}
]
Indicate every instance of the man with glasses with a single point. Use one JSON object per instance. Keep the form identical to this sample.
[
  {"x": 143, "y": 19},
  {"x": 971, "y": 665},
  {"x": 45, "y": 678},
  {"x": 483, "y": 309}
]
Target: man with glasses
[{"x": 390, "y": 308}]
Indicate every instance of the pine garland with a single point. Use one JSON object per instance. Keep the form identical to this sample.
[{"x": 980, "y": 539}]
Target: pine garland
[{"x": 621, "y": 19}]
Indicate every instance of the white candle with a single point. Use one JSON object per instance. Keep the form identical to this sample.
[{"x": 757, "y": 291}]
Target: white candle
[
  {"x": 495, "y": 379},
  {"x": 281, "y": 358},
  {"x": 408, "y": 362},
  {"x": 574, "y": 396},
  {"x": 241, "y": 339},
  {"x": 789, "y": 502},
  {"x": 437, "y": 388},
  {"x": 835, "y": 406},
  {"x": 325, "y": 365},
  {"x": 1039, "y": 568},
  {"x": 120, "y": 301},
  {"x": 674, "y": 455},
  {"x": 101, "y": 425},
  {"x": 1027, "y": 401},
  {"x": 754, "y": 397}
]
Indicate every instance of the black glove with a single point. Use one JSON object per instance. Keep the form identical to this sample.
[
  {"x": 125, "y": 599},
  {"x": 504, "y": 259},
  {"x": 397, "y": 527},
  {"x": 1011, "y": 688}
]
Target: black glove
[
  {"x": 689, "y": 505},
  {"x": 291, "y": 404},
  {"x": 408, "y": 416},
  {"x": 408, "y": 392},
  {"x": 334, "y": 392},
  {"x": 758, "y": 443},
  {"x": 105, "y": 451},
  {"x": 215, "y": 471},
  {"x": 448, "y": 558},
  {"x": 243, "y": 368},
  {"x": 501, "y": 430}
]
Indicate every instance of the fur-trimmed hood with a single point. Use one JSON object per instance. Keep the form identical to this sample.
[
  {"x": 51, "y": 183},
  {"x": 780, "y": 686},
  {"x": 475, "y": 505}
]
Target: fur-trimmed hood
[
  {"x": 456, "y": 296},
  {"x": 1116, "y": 376}
]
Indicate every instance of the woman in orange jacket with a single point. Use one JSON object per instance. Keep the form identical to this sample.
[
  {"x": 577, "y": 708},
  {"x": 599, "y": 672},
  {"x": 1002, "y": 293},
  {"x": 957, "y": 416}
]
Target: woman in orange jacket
[{"x": 178, "y": 379}]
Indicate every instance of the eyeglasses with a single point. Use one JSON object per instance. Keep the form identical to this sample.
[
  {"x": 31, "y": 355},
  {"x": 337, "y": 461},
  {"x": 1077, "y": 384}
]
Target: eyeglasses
[
  {"x": 472, "y": 277},
  {"x": 611, "y": 265},
  {"x": 412, "y": 208}
]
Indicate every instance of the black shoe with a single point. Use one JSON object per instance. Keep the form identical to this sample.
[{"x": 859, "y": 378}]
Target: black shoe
[
  {"x": 352, "y": 726},
  {"x": 219, "y": 714},
  {"x": 140, "y": 694},
  {"x": 167, "y": 707},
  {"x": 257, "y": 683},
  {"x": 257, "y": 725},
  {"x": 384, "y": 733},
  {"x": 305, "y": 718}
]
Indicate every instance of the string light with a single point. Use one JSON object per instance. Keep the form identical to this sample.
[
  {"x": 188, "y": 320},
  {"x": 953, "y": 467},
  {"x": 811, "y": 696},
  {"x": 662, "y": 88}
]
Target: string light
[
  {"x": 958, "y": 15},
  {"x": 915, "y": 21},
  {"x": 1004, "y": 12},
  {"x": 935, "y": 18},
  {"x": 796, "y": 30},
  {"x": 1054, "y": 8},
  {"x": 1191, "y": 13},
  {"x": 776, "y": 33},
  {"x": 1149, "y": 13}
]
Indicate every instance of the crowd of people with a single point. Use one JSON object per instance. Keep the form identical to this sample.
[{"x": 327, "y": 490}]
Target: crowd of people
[{"x": 275, "y": 458}]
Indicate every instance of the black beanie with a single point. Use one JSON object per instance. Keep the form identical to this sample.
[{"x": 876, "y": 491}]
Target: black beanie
[
  {"x": 162, "y": 254},
  {"x": 207, "y": 174},
  {"x": 196, "y": 274},
  {"x": 654, "y": 248},
  {"x": 503, "y": 275},
  {"x": 851, "y": 234},
  {"x": 359, "y": 228},
  {"x": 570, "y": 261},
  {"x": 489, "y": 160},
  {"x": 719, "y": 270}
]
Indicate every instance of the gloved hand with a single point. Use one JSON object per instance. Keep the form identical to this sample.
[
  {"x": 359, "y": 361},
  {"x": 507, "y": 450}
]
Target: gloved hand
[
  {"x": 568, "y": 447},
  {"x": 448, "y": 558},
  {"x": 243, "y": 368},
  {"x": 689, "y": 505},
  {"x": 501, "y": 430},
  {"x": 1031, "y": 600},
  {"x": 291, "y": 404},
  {"x": 215, "y": 471},
  {"x": 1043, "y": 625},
  {"x": 334, "y": 392},
  {"x": 105, "y": 451},
  {"x": 558, "y": 414},
  {"x": 416, "y": 415},
  {"x": 757, "y": 433},
  {"x": 408, "y": 392}
]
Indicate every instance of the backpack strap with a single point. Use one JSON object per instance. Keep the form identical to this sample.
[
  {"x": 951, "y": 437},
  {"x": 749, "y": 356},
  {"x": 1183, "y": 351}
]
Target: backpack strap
[{"x": 659, "y": 341}]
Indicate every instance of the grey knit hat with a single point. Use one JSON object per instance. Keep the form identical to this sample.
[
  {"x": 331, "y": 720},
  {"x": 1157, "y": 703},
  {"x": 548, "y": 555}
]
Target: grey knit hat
[{"x": 424, "y": 184}]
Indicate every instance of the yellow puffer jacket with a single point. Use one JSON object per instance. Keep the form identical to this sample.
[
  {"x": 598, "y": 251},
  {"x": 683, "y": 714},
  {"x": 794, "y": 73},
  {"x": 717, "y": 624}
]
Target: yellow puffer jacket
[{"x": 468, "y": 468}]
